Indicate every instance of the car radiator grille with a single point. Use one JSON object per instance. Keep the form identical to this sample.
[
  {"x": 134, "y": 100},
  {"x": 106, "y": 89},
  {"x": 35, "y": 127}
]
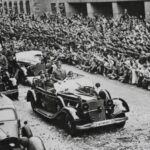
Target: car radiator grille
[{"x": 94, "y": 113}]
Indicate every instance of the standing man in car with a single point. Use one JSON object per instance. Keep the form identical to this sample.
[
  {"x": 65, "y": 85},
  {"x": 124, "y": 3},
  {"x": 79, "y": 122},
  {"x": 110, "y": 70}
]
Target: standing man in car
[{"x": 58, "y": 74}]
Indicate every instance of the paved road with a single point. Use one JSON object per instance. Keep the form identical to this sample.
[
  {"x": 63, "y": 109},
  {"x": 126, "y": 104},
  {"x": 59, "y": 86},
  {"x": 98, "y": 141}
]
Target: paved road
[{"x": 135, "y": 135}]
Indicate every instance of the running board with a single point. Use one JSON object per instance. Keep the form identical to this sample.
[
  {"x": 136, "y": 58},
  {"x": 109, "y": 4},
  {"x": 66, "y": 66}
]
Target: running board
[{"x": 44, "y": 113}]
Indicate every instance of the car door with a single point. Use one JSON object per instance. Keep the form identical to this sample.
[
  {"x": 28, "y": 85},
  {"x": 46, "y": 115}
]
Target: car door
[{"x": 51, "y": 102}]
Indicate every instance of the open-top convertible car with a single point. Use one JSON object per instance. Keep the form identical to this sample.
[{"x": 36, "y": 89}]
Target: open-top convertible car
[
  {"x": 31, "y": 60},
  {"x": 30, "y": 66},
  {"x": 10, "y": 130},
  {"x": 28, "y": 58},
  {"x": 76, "y": 106}
]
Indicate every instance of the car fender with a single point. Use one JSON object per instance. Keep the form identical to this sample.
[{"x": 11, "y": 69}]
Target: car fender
[
  {"x": 71, "y": 111},
  {"x": 107, "y": 94},
  {"x": 33, "y": 143},
  {"x": 120, "y": 105},
  {"x": 61, "y": 100},
  {"x": 31, "y": 96},
  {"x": 124, "y": 103},
  {"x": 104, "y": 94}
]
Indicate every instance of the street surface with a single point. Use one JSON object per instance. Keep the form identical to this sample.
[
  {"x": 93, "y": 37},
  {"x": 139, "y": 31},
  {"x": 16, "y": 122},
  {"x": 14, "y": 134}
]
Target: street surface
[{"x": 134, "y": 136}]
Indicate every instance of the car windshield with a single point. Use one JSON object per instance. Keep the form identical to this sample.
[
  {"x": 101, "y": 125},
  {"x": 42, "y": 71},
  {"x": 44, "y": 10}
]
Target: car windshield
[{"x": 7, "y": 115}]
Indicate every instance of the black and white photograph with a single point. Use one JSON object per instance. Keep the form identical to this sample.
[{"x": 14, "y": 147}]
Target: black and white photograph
[{"x": 74, "y": 74}]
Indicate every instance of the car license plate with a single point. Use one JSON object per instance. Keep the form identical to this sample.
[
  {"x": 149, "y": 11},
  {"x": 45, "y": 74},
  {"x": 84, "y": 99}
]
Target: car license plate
[{"x": 101, "y": 123}]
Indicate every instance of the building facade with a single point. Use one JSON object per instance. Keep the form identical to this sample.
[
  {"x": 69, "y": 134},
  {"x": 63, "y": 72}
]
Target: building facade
[
  {"x": 17, "y": 6},
  {"x": 108, "y": 8}
]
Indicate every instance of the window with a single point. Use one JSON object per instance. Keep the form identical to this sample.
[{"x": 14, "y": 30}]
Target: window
[
  {"x": 53, "y": 6},
  {"x": 62, "y": 8},
  {"x": 7, "y": 115}
]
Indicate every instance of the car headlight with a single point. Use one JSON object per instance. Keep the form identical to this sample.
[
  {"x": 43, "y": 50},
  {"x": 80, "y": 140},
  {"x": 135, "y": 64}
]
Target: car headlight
[
  {"x": 85, "y": 106},
  {"x": 12, "y": 144},
  {"x": 109, "y": 103}
]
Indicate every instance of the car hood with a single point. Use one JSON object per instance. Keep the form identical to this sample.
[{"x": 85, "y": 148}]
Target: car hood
[
  {"x": 70, "y": 87},
  {"x": 9, "y": 128}
]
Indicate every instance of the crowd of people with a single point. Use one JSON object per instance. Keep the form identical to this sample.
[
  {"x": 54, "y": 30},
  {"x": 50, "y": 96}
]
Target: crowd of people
[{"x": 116, "y": 48}]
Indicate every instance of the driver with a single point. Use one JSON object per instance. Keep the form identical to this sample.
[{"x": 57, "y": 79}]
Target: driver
[
  {"x": 48, "y": 82},
  {"x": 58, "y": 74}
]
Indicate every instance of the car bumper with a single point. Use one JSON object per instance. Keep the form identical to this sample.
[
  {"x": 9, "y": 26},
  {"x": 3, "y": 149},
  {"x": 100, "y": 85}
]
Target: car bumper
[{"x": 101, "y": 123}]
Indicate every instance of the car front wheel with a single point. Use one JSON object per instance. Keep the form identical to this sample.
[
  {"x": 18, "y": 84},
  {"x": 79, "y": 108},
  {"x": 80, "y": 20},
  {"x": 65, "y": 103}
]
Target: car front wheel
[{"x": 122, "y": 124}]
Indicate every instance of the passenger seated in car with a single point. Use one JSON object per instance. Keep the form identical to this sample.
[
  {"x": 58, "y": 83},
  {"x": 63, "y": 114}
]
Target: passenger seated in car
[
  {"x": 49, "y": 67},
  {"x": 46, "y": 81},
  {"x": 49, "y": 84},
  {"x": 59, "y": 74},
  {"x": 42, "y": 80},
  {"x": 36, "y": 69}
]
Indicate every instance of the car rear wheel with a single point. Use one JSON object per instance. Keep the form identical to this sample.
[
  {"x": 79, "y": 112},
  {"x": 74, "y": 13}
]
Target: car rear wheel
[{"x": 70, "y": 126}]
